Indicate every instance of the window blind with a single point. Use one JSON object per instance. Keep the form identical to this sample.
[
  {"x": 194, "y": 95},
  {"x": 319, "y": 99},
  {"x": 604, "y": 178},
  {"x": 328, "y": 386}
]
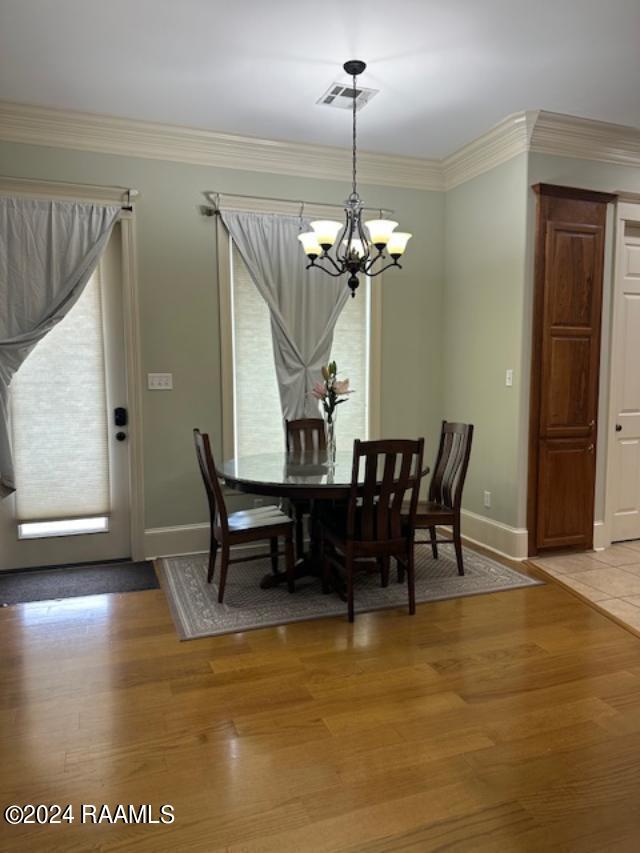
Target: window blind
[
  {"x": 257, "y": 413},
  {"x": 59, "y": 419}
]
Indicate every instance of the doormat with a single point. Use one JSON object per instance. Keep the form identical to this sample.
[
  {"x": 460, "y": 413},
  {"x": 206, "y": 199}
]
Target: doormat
[{"x": 24, "y": 585}]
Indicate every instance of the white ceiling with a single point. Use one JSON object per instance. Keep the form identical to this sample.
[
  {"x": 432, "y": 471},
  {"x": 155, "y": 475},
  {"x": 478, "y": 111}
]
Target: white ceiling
[{"x": 447, "y": 70}]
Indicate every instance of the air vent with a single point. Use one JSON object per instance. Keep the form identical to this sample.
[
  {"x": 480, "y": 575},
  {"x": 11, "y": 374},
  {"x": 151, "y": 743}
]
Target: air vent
[{"x": 341, "y": 95}]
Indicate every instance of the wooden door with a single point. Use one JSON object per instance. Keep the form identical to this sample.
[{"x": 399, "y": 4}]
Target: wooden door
[
  {"x": 565, "y": 366},
  {"x": 624, "y": 459}
]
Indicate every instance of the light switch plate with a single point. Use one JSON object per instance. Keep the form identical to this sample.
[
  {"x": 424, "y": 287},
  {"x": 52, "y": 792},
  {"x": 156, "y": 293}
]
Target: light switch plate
[
  {"x": 509, "y": 378},
  {"x": 160, "y": 381}
]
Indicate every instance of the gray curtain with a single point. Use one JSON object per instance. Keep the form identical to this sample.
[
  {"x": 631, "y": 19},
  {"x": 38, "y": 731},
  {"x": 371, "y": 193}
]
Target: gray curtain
[
  {"x": 48, "y": 250},
  {"x": 304, "y": 304}
]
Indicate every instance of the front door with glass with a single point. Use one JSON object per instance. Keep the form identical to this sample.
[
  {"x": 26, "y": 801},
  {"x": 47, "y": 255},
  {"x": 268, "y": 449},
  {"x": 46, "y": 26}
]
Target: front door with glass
[{"x": 70, "y": 435}]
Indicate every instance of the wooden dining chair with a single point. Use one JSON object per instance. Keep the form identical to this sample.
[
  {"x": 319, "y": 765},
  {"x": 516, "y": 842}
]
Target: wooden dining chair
[
  {"x": 445, "y": 490},
  {"x": 304, "y": 436},
  {"x": 374, "y": 529},
  {"x": 239, "y": 528}
]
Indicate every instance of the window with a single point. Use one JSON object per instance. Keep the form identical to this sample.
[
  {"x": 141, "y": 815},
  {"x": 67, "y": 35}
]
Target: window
[
  {"x": 252, "y": 417},
  {"x": 59, "y": 426}
]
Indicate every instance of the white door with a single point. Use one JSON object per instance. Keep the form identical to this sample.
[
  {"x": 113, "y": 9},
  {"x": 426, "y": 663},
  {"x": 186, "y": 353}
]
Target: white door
[
  {"x": 624, "y": 458},
  {"x": 71, "y": 503}
]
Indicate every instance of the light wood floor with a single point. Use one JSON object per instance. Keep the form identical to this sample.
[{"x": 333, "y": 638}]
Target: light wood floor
[{"x": 505, "y": 722}]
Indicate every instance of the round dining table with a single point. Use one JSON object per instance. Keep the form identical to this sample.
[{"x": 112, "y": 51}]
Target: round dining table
[{"x": 307, "y": 476}]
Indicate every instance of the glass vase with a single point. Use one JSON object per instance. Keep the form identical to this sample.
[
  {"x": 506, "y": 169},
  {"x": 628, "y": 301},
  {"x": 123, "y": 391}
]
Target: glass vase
[{"x": 331, "y": 438}]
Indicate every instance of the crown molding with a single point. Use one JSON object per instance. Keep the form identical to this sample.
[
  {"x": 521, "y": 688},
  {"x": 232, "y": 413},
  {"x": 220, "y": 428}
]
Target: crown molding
[
  {"x": 507, "y": 139},
  {"x": 585, "y": 139},
  {"x": 109, "y": 135},
  {"x": 537, "y": 131}
]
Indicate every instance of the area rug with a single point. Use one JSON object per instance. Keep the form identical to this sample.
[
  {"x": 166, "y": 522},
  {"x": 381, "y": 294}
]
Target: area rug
[
  {"x": 18, "y": 587},
  {"x": 196, "y": 611}
]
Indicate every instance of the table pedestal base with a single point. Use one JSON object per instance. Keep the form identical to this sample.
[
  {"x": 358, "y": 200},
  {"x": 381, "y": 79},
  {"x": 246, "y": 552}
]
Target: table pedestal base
[{"x": 306, "y": 567}]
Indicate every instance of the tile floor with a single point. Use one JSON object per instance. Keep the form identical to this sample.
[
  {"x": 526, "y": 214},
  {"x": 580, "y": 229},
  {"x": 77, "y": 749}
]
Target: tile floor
[{"x": 609, "y": 578}]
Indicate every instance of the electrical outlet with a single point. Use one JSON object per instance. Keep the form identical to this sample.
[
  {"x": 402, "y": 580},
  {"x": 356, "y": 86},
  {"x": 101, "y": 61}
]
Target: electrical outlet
[
  {"x": 487, "y": 499},
  {"x": 160, "y": 381},
  {"x": 509, "y": 378}
]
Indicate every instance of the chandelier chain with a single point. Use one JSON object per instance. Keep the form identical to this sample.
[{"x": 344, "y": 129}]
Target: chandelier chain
[{"x": 354, "y": 134}]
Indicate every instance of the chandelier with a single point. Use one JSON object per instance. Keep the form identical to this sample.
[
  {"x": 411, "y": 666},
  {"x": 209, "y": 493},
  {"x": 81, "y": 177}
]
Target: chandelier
[{"x": 360, "y": 249}]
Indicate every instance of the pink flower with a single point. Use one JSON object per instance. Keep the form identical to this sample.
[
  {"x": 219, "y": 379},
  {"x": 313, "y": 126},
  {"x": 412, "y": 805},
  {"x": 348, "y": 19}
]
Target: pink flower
[
  {"x": 341, "y": 386},
  {"x": 319, "y": 391}
]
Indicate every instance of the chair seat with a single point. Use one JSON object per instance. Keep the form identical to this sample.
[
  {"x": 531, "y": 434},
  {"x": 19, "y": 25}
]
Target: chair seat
[
  {"x": 431, "y": 512},
  {"x": 264, "y": 516}
]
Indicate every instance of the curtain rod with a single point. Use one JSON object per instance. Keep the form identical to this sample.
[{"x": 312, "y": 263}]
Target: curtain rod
[
  {"x": 67, "y": 188},
  {"x": 214, "y": 197}
]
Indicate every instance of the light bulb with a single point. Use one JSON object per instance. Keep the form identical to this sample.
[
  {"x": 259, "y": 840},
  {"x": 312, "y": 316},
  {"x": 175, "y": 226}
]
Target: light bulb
[
  {"x": 398, "y": 243},
  {"x": 380, "y": 231},
  {"x": 310, "y": 244},
  {"x": 326, "y": 231}
]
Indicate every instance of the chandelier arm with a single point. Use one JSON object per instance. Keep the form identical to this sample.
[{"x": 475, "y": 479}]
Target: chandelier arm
[
  {"x": 374, "y": 260},
  {"x": 316, "y": 266},
  {"x": 366, "y": 244},
  {"x": 338, "y": 267},
  {"x": 387, "y": 267},
  {"x": 341, "y": 253}
]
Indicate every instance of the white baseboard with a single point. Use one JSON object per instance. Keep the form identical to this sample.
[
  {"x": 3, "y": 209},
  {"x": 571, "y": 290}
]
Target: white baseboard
[
  {"x": 511, "y": 542},
  {"x": 600, "y": 536},
  {"x": 507, "y": 541},
  {"x": 183, "y": 540},
  {"x": 171, "y": 541}
]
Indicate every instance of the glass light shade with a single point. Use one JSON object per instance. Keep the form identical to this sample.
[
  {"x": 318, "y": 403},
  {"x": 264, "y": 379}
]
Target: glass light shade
[
  {"x": 310, "y": 243},
  {"x": 398, "y": 242},
  {"x": 380, "y": 230},
  {"x": 326, "y": 231},
  {"x": 355, "y": 244}
]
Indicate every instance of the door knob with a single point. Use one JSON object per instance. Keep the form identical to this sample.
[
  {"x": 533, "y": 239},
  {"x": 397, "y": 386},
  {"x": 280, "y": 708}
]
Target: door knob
[
  {"x": 590, "y": 448},
  {"x": 618, "y": 427},
  {"x": 120, "y": 436}
]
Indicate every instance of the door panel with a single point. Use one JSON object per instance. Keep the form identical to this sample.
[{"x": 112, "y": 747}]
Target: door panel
[
  {"x": 566, "y": 402},
  {"x": 571, "y": 261},
  {"x": 565, "y": 366},
  {"x": 625, "y": 388},
  {"x": 567, "y": 480}
]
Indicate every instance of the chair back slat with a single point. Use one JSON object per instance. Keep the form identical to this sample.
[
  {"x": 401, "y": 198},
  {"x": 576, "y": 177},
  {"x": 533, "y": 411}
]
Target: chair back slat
[
  {"x": 392, "y": 470},
  {"x": 215, "y": 497},
  {"x": 451, "y": 465},
  {"x": 305, "y": 435}
]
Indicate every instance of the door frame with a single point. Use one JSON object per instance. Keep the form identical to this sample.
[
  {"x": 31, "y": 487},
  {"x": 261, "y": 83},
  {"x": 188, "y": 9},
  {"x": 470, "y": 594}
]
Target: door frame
[
  {"x": 627, "y": 210},
  {"x": 60, "y": 191}
]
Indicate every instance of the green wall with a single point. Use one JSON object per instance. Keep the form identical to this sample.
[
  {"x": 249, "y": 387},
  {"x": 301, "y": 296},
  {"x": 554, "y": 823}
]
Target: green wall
[
  {"x": 179, "y": 304},
  {"x": 453, "y": 320},
  {"x": 485, "y": 243}
]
